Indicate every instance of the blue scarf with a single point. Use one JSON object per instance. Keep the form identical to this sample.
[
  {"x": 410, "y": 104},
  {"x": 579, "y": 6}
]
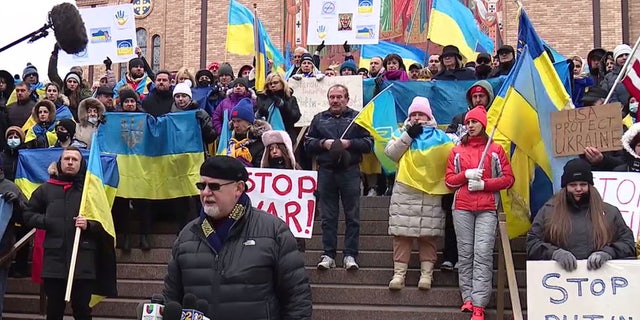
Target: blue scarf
[{"x": 217, "y": 231}]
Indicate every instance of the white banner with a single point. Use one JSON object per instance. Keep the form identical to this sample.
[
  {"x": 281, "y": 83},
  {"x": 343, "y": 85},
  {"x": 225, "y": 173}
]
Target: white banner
[
  {"x": 621, "y": 189},
  {"x": 111, "y": 31},
  {"x": 337, "y": 21},
  {"x": 610, "y": 292},
  {"x": 287, "y": 194},
  {"x": 312, "y": 95}
]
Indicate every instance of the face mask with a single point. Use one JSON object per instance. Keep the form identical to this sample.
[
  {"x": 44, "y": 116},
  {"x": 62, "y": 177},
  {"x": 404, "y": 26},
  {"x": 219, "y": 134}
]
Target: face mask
[
  {"x": 633, "y": 107},
  {"x": 204, "y": 83},
  {"x": 92, "y": 120},
  {"x": 483, "y": 69},
  {"x": 63, "y": 136},
  {"x": 13, "y": 143}
]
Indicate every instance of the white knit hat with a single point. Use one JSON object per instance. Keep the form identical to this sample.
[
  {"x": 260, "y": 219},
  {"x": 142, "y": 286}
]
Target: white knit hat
[
  {"x": 182, "y": 88},
  {"x": 620, "y": 50}
]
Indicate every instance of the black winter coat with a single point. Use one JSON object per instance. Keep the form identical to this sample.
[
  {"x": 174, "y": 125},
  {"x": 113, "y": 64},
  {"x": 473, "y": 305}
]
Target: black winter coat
[
  {"x": 457, "y": 74},
  {"x": 158, "y": 103},
  {"x": 9, "y": 238},
  {"x": 288, "y": 106},
  {"x": 258, "y": 275}
]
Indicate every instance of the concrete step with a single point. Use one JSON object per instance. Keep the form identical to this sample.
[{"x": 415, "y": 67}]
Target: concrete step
[
  {"x": 367, "y": 227},
  {"x": 137, "y": 289},
  {"x": 155, "y": 256},
  {"x": 22, "y": 316},
  {"x": 385, "y": 243},
  {"x": 108, "y": 308},
  {"x": 362, "y": 312}
]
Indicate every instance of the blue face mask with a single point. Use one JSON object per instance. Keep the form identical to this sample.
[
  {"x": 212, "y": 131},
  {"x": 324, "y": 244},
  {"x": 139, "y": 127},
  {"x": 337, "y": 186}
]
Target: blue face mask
[{"x": 13, "y": 143}]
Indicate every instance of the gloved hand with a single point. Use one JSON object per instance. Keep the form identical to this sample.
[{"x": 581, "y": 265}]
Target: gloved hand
[
  {"x": 414, "y": 130},
  {"x": 346, "y": 46},
  {"x": 473, "y": 174},
  {"x": 597, "y": 260},
  {"x": 56, "y": 49},
  {"x": 379, "y": 81},
  {"x": 297, "y": 77},
  {"x": 319, "y": 76},
  {"x": 336, "y": 151},
  {"x": 566, "y": 259},
  {"x": 107, "y": 63},
  {"x": 10, "y": 197},
  {"x": 475, "y": 185},
  {"x": 321, "y": 46},
  {"x": 278, "y": 102}
]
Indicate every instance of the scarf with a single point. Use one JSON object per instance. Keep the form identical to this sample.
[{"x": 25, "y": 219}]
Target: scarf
[
  {"x": 239, "y": 149},
  {"x": 400, "y": 75},
  {"x": 66, "y": 185},
  {"x": 217, "y": 231}
]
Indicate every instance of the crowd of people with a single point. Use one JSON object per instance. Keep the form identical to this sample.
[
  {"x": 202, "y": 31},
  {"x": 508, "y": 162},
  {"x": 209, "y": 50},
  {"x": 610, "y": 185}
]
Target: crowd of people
[{"x": 458, "y": 201}]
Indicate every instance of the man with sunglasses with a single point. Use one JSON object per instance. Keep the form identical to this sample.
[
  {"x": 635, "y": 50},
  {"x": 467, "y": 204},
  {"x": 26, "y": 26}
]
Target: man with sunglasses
[
  {"x": 483, "y": 66},
  {"x": 240, "y": 259}
]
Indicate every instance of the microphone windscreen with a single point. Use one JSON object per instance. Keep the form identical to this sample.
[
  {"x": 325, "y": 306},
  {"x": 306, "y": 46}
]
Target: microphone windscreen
[
  {"x": 189, "y": 301},
  {"x": 157, "y": 298},
  {"x": 68, "y": 28},
  {"x": 172, "y": 311},
  {"x": 139, "y": 310},
  {"x": 203, "y": 306}
]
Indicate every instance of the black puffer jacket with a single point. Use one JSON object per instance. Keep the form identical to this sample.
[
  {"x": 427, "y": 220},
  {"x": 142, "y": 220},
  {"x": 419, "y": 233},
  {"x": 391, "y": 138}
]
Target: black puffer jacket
[{"x": 258, "y": 275}]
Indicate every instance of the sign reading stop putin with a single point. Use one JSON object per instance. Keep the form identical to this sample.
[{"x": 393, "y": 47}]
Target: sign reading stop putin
[{"x": 286, "y": 194}]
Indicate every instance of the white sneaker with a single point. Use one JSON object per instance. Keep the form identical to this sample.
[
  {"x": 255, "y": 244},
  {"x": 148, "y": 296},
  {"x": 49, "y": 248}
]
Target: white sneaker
[
  {"x": 349, "y": 263},
  {"x": 372, "y": 193},
  {"x": 326, "y": 263}
]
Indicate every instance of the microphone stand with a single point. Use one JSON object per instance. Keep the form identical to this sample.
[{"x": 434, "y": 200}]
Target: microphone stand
[{"x": 33, "y": 36}]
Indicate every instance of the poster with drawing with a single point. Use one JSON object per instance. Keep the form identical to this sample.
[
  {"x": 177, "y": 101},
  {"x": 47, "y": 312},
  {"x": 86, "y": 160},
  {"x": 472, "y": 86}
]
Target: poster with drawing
[
  {"x": 334, "y": 22},
  {"x": 111, "y": 31}
]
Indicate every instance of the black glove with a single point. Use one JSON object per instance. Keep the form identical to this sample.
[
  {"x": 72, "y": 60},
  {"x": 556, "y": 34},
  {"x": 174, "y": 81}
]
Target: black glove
[
  {"x": 379, "y": 81},
  {"x": 10, "y": 197},
  {"x": 107, "y": 63},
  {"x": 278, "y": 102},
  {"x": 566, "y": 259},
  {"x": 336, "y": 150},
  {"x": 321, "y": 46},
  {"x": 347, "y": 47},
  {"x": 56, "y": 49},
  {"x": 414, "y": 130},
  {"x": 597, "y": 260}
]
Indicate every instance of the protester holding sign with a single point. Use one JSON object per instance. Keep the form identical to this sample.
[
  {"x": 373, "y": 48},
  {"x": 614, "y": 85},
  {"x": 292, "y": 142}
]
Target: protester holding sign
[
  {"x": 576, "y": 224},
  {"x": 477, "y": 182}
]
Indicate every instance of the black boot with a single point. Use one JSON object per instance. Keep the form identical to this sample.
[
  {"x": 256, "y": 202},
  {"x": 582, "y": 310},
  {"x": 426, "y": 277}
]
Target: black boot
[
  {"x": 144, "y": 243},
  {"x": 126, "y": 243}
]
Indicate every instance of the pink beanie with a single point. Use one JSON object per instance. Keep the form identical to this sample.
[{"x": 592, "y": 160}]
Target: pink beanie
[{"x": 421, "y": 104}]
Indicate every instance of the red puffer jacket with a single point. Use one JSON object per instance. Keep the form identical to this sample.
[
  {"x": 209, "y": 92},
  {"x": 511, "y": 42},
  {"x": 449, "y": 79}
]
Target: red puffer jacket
[{"x": 497, "y": 174}]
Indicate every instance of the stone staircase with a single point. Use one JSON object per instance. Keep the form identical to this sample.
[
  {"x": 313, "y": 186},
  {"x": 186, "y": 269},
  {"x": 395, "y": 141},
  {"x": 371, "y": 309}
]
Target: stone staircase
[{"x": 337, "y": 294}]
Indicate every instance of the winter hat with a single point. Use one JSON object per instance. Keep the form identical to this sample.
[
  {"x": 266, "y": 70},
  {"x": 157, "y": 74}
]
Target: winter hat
[
  {"x": 126, "y": 93},
  {"x": 479, "y": 114},
  {"x": 620, "y": 50},
  {"x": 68, "y": 124},
  {"x": 306, "y": 56},
  {"x": 421, "y": 104},
  {"x": 182, "y": 88},
  {"x": 224, "y": 168},
  {"x": 576, "y": 170},
  {"x": 243, "y": 110},
  {"x": 276, "y": 136},
  {"x": 135, "y": 62},
  {"x": 15, "y": 129},
  {"x": 478, "y": 89},
  {"x": 225, "y": 69},
  {"x": 203, "y": 72},
  {"x": 243, "y": 81},
  {"x": 450, "y": 51},
  {"x": 245, "y": 67},
  {"x": 104, "y": 90},
  {"x": 349, "y": 64},
  {"x": 213, "y": 65},
  {"x": 415, "y": 66},
  {"x": 29, "y": 70},
  {"x": 73, "y": 75},
  {"x": 506, "y": 49}
]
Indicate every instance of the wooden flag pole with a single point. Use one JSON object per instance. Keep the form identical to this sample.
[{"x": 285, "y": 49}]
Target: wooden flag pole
[
  {"x": 623, "y": 71},
  {"x": 72, "y": 265}
]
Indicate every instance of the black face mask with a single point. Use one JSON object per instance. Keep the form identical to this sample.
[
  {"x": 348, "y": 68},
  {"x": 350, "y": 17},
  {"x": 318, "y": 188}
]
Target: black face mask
[
  {"x": 62, "y": 136},
  {"x": 204, "y": 83},
  {"x": 506, "y": 65},
  {"x": 483, "y": 70}
]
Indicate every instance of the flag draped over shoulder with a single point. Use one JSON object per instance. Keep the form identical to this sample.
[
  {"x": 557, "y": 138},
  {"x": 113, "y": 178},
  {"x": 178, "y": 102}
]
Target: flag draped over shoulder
[
  {"x": 96, "y": 206},
  {"x": 62, "y": 112},
  {"x": 379, "y": 118},
  {"x": 423, "y": 166},
  {"x": 452, "y": 23},
  {"x": 158, "y": 158},
  {"x": 275, "y": 119},
  {"x": 530, "y": 94},
  {"x": 225, "y": 136},
  {"x": 409, "y": 54}
]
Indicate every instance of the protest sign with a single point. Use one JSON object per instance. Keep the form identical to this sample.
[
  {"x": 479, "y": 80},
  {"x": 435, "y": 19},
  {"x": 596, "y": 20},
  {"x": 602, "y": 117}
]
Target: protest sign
[
  {"x": 286, "y": 194},
  {"x": 607, "y": 293},
  {"x": 622, "y": 190},
  {"x": 575, "y": 129},
  {"x": 111, "y": 31},
  {"x": 334, "y": 22},
  {"x": 312, "y": 95}
]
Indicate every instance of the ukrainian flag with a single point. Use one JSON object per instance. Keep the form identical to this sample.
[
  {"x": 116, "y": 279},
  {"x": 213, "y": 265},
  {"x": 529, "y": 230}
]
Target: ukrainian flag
[
  {"x": 409, "y": 54},
  {"x": 530, "y": 94},
  {"x": 240, "y": 34},
  {"x": 379, "y": 118},
  {"x": 225, "y": 136},
  {"x": 159, "y": 158},
  {"x": 62, "y": 112},
  {"x": 452, "y": 23},
  {"x": 261, "y": 56},
  {"x": 96, "y": 206}
]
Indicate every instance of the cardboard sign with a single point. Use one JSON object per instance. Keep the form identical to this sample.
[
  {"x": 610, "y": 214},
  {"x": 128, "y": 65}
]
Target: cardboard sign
[
  {"x": 574, "y": 130},
  {"x": 312, "y": 95},
  {"x": 607, "y": 293},
  {"x": 286, "y": 194},
  {"x": 621, "y": 189}
]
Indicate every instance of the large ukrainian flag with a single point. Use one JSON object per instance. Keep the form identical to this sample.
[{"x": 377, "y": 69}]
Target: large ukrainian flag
[
  {"x": 409, "y": 54},
  {"x": 158, "y": 158},
  {"x": 452, "y": 23},
  {"x": 261, "y": 56}
]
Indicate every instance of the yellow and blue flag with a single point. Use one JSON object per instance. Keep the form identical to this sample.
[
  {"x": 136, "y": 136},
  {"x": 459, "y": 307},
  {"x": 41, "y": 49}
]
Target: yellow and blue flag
[
  {"x": 225, "y": 136},
  {"x": 158, "y": 158},
  {"x": 62, "y": 112},
  {"x": 261, "y": 57},
  {"x": 379, "y": 118},
  {"x": 452, "y": 23},
  {"x": 275, "y": 119},
  {"x": 530, "y": 94},
  {"x": 409, "y": 54}
]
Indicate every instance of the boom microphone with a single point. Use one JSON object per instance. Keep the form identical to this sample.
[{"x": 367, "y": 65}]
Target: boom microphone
[
  {"x": 68, "y": 28},
  {"x": 172, "y": 311}
]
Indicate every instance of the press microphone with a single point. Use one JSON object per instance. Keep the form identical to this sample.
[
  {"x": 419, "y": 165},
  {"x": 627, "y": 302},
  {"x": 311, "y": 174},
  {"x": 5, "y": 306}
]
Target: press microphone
[
  {"x": 68, "y": 28},
  {"x": 172, "y": 311},
  {"x": 153, "y": 310},
  {"x": 189, "y": 311},
  {"x": 203, "y": 306}
]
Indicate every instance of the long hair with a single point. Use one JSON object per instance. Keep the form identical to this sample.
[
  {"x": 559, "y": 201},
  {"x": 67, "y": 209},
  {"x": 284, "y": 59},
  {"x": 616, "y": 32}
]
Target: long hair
[
  {"x": 185, "y": 73},
  {"x": 274, "y": 76},
  {"x": 559, "y": 224}
]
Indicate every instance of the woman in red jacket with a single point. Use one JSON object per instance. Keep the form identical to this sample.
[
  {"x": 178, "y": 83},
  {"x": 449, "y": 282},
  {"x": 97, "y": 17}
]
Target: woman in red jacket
[{"x": 477, "y": 185}]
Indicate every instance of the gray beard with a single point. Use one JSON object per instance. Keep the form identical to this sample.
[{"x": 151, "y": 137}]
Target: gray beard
[{"x": 213, "y": 212}]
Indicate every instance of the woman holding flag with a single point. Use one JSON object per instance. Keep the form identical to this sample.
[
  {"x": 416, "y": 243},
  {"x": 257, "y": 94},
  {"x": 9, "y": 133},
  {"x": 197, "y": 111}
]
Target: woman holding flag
[{"x": 278, "y": 98}]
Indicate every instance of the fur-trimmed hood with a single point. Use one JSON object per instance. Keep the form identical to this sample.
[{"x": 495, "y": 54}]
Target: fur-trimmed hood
[
  {"x": 487, "y": 86},
  {"x": 276, "y": 136},
  {"x": 259, "y": 127},
  {"x": 84, "y": 106},
  {"x": 631, "y": 137},
  {"x": 44, "y": 103},
  {"x": 62, "y": 100},
  {"x": 253, "y": 94}
]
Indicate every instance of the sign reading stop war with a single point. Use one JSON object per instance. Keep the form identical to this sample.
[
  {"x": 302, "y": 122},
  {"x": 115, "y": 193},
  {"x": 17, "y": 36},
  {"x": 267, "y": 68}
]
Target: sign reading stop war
[
  {"x": 622, "y": 190},
  {"x": 286, "y": 194},
  {"x": 312, "y": 95},
  {"x": 610, "y": 292},
  {"x": 574, "y": 130}
]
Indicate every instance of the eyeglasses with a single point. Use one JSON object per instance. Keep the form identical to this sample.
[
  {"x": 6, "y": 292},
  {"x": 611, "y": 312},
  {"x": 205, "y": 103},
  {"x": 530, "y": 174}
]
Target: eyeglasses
[{"x": 213, "y": 186}]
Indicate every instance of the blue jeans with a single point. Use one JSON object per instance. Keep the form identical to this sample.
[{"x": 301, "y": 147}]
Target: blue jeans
[
  {"x": 334, "y": 186},
  {"x": 4, "y": 274}
]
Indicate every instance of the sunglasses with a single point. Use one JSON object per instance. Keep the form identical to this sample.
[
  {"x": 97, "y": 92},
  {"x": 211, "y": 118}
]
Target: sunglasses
[{"x": 213, "y": 186}]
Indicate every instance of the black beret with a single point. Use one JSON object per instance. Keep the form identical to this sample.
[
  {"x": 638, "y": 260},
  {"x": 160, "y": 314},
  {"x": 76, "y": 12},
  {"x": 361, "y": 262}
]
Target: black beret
[{"x": 224, "y": 168}]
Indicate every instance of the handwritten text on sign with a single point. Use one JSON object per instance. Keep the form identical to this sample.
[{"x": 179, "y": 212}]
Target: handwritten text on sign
[
  {"x": 312, "y": 95},
  {"x": 607, "y": 293},
  {"x": 621, "y": 189},
  {"x": 287, "y": 194},
  {"x": 574, "y": 130}
]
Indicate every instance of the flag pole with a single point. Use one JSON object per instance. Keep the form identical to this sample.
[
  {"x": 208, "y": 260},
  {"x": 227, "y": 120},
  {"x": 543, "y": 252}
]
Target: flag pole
[
  {"x": 623, "y": 71},
  {"x": 72, "y": 264},
  {"x": 354, "y": 119}
]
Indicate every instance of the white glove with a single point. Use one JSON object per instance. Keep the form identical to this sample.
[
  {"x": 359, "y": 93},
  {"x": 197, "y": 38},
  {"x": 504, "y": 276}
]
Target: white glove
[
  {"x": 476, "y": 185},
  {"x": 319, "y": 76},
  {"x": 296, "y": 77},
  {"x": 473, "y": 174}
]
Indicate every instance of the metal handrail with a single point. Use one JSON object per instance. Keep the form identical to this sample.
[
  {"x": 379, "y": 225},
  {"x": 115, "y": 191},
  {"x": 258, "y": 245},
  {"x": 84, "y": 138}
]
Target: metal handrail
[{"x": 506, "y": 267}]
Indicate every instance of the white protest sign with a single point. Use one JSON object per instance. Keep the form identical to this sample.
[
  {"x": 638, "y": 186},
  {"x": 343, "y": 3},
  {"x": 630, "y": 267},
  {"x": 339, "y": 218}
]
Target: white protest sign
[
  {"x": 287, "y": 194},
  {"x": 622, "y": 190},
  {"x": 610, "y": 292},
  {"x": 111, "y": 31},
  {"x": 334, "y": 22},
  {"x": 312, "y": 95}
]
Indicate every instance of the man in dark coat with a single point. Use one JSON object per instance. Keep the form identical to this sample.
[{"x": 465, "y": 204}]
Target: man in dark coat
[
  {"x": 160, "y": 99},
  {"x": 239, "y": 259},
  {"x": 54, "y": 207}
]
